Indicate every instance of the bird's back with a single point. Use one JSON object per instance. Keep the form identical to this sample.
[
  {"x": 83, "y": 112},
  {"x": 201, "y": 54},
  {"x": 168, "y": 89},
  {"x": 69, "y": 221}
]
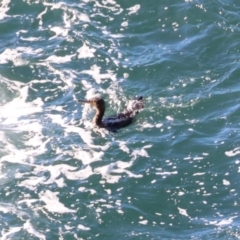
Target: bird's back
[
  {"x": 115, "y": 122},
  {"x": 126, "y": 117}
]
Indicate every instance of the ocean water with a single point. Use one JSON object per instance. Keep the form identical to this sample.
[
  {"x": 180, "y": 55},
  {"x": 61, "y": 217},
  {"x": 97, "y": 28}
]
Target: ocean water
[{"x": 174, "y": 173}]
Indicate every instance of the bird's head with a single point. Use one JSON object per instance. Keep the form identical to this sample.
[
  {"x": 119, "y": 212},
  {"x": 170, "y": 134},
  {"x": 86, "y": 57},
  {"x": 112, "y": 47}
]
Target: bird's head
[{"x": 97, "y": 102}]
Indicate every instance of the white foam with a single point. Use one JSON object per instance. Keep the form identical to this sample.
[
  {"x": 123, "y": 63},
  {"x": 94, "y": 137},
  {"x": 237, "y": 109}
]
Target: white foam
[
  {"x": 59, "y": 59},
  {"x": 87, "y": 84},
  {"x": 72, "y": 16},
  {"x": 198, "y": 174},
  {"x": 52, "y": 203},
  {"x": 83, "y": 133},
  {"x": 95, "y": 73},
  {"x": 105, "y": 2},
  {"x": 34, "y": 146},
  {"x": 147, "y": 125},
  {"x": 4, "y": 209},
  {"x": 18, "y": 107},
  {"x": 223, "y": 222},
  {"x": 118, "y": 167},
  {"x": 123, "y": 146},
  {"x": 29, "y": 228},
  {"x": 77, "y": 175},
  {"x": 167, "y": 173},
  {"x": 124, "y": 24},
  {"x": 83, "y": 189},
  {"x": 4, "y": 7},
  {"x": 134, "y": 9},
  {"x": 183, "y": 211},
  {"x": 6, "y": 235},
  {"x": 233, "y": 152},
  {"x": 83, "y": 17},
  {"x": 105, "y": 172},
  {"x": 139, "y": 152},
  {"x": 55, "y": 171},
  {"x": 88, "y": 157},
  {"x": 40, "y": 16},
  {"x": 143, "y": 222},
  {"x": 169, "y": 118},
  {"x": 16, "y": 55},
  {"x": 181, "y": 193},
  {"x": 86, "y": 52},
  {"x": 226, "y": 182},
  {"x": 198, "y": 158},
  {"x": 31, "y": 182},
  {"x": 81, "y": 227},
  {"x": 108, "y": 191},
  {"x": 59, "y": 31},
  {"x": 120, "y": 211},
  {"x": 35, "y": 141},
  {"x": 15, "y": 155},
  {"x": 116, "y": 35}
]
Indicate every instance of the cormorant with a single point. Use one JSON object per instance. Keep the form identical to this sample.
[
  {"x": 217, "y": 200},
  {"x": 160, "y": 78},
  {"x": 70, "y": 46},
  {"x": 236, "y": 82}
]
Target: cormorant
[{"x": 113, "y": 123}]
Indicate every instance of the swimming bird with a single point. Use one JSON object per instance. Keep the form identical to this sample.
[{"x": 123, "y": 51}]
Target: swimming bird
[{"x": 113, "y": 123}]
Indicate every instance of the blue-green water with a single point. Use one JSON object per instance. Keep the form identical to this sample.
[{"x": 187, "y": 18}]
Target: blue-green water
[{"x": 174, "y": 173}]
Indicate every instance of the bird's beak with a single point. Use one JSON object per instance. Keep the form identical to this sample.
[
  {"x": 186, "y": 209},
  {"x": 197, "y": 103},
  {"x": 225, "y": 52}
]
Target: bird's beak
[{"x": 85, "y": 101}]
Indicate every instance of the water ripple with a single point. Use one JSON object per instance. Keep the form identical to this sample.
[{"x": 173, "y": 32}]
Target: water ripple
[{"x": 173, "y": 173}]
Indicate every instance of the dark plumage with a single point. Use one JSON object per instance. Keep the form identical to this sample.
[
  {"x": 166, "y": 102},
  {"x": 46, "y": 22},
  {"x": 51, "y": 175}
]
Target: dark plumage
[{"x": 113, "y": 123}]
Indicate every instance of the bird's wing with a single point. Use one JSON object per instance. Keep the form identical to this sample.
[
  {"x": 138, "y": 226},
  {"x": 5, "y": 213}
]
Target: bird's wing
[{"x": 116, "y": 122}]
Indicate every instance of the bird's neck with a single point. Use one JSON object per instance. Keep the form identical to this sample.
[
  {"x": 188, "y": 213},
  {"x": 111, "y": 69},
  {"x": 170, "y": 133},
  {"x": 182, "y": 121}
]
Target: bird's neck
[{"x": 98, "y": 117}]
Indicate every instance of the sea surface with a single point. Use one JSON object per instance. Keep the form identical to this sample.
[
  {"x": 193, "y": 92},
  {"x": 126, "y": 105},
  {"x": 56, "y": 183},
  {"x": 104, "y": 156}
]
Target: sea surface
[{"x": 174, "y": 173}]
